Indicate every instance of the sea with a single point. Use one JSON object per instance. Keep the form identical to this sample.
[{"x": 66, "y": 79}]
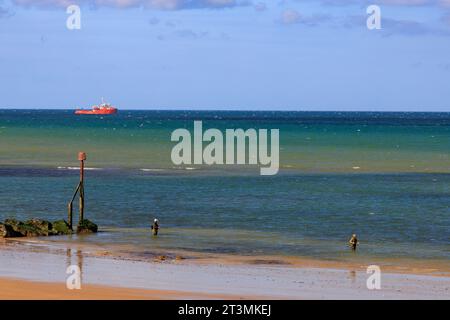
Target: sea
[{"x": 382, "y": 176}]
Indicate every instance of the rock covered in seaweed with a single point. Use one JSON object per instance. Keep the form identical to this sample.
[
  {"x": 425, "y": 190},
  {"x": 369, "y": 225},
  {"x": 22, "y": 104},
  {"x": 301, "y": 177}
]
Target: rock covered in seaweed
[
  {"x": 87, "y": 226},
  {"x": 61, "y": 227},
  {"x": 33, "y": 228},
  {"x": 24, "y": 229},
  {"x": 41, "y": 227},
  {"x": 6, "y": 231}
]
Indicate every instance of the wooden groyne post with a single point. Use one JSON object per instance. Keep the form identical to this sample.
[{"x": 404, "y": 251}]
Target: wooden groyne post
[
  {"x": 79, "y": 190},
  {"x": 82, "y": 158}
]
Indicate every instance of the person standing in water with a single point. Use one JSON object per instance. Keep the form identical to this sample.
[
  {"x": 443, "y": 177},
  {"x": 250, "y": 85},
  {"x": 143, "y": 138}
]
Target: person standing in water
[
  {"x": 353, "y": 242},
  {"x": 155, "y": 227}
]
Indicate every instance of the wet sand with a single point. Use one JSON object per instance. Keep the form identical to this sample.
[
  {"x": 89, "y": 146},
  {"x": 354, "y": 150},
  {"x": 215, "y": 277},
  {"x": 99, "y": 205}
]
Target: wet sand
[
  {"x": 27, "y": 272},
  {"x": 82, "y": 249}
]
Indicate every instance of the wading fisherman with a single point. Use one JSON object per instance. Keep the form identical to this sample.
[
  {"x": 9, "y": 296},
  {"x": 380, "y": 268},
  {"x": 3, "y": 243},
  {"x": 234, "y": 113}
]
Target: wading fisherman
[
  {"x": 353, "y": 242},
  {"x": 155, "y": 227}
]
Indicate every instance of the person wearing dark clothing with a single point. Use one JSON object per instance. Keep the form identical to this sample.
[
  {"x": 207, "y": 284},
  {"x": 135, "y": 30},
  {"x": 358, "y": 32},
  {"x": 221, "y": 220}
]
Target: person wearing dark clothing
[
  {"x": 155, "y": 227},
  {"x": 353, "y": 242}
]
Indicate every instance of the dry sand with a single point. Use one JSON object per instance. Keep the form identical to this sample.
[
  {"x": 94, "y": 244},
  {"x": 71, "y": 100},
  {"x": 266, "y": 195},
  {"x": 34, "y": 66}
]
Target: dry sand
[{"x": 13, "y": 289}]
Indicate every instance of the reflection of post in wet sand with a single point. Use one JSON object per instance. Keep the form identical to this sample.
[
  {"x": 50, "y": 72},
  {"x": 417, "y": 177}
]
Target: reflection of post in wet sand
[
  {"x": 79, "y": 255},
  {"x": 80, "y": 263},
  {"x": 352, "y": 275},
  {"x": 69, "y": 257}
]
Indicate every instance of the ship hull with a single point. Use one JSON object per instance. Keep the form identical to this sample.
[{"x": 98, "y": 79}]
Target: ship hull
[{"x": 102, "y": 112}]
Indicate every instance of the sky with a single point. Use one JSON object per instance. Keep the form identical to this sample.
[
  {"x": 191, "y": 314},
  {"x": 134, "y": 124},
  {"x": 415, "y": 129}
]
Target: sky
[{"x": 226, "y": 55}]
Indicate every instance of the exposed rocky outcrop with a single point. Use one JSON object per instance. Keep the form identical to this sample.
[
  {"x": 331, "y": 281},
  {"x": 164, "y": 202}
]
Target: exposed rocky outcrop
[
  {"x": 61, "y": 227},
  {"x": 7, "y": 231},
  {"x": 37, "y": 227},
  {"x": 25, "y": 229},
  {"x": 87, "y": 226},
  {"x": 40, "y": 227}
]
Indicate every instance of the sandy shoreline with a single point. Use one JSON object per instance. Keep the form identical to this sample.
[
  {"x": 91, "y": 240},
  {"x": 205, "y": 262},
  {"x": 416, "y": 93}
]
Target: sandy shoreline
[
  {"x": 15, "y": 289},
  {"x": 27, "y": 272},
  {"x": 81, "y": 249}
]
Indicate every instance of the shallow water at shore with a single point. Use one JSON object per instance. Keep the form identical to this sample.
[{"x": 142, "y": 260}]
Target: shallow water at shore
[
  {"x": 403, "y": 216},
  {"x": 137, "y": 245}
]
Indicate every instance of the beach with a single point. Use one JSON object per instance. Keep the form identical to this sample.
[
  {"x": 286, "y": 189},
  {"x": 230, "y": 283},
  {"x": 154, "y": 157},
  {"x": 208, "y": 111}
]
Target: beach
[
  {"x": 32, "y": 290},
  {"x": 33, "y": 271},
  {"x": 226, "y": 231}
]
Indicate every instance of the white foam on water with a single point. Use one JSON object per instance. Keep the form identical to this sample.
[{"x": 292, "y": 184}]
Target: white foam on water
[{"x": 77, "y": 168}]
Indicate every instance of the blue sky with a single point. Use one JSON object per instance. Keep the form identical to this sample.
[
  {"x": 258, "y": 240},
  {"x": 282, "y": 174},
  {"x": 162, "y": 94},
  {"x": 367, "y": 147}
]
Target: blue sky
[{"x": 226, "y": 54}]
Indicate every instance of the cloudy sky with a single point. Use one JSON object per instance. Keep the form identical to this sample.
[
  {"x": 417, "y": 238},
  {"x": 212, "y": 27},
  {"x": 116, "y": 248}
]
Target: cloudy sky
[{"x": 226, "y": 54}]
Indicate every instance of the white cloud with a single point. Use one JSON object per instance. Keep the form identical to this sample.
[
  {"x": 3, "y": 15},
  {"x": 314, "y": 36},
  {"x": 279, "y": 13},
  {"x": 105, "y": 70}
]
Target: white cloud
[
  {"x": 290, "y": 16},
  {"x": 260, "y": 6},
  {"x": 5, "y": 12},
  {"x": 154, "y": 4},
  {"x": 379, "y": 2}
]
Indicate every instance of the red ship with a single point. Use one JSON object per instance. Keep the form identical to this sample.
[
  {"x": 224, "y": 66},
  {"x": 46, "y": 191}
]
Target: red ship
[{"x": 103, "y": 108}]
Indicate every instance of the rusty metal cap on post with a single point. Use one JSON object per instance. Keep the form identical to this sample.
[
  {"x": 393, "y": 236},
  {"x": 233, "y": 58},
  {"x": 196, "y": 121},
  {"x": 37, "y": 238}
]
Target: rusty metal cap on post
[{"x": 81, "y": 156}]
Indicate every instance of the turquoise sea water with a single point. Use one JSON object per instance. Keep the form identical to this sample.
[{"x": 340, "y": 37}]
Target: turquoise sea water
[{"x": 380, "y": 175}]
